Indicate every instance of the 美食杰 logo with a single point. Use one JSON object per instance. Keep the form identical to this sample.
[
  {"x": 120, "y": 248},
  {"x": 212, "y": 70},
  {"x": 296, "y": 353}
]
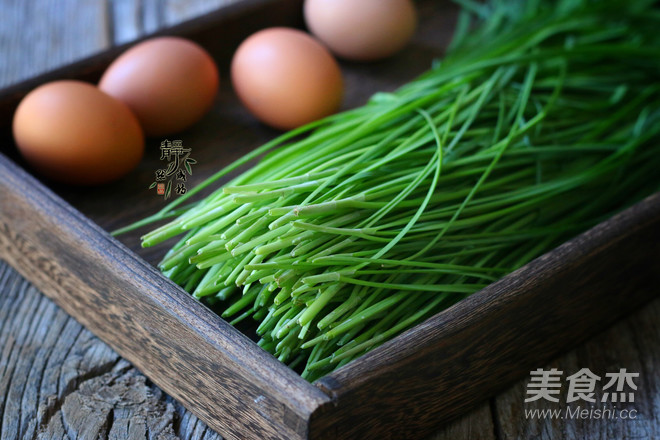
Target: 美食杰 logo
[
  {"x": 587, "y": 395},
  {"x": 174, "y": 175}
]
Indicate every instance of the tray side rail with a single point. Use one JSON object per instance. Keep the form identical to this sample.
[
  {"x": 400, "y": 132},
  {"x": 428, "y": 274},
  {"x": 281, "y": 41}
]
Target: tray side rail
[
  {"x": 215, "y": 371},
  {"x": 476, "y": 348}
]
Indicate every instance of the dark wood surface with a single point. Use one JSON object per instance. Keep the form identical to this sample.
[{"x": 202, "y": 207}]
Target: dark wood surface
[
  {"x": 58, "y": 381},
  {"x": 168, "y": 335},
  {"x": 100, "y": 379},
  {"x": 505, "y": 330}
]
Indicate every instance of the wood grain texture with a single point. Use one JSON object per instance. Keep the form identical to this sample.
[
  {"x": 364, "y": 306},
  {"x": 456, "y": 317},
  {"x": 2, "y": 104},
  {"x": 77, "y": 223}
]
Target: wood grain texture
[
  {"x": 176, "y": 11},
  {"x": 191, "y": 353},
  {"x": 130, "y": 20},
  {"x": 58, "y": 381},
  {"x": 241, "y": 132},
  {"x": 54, "y": 33},
  {"x": 404, "y": 392},
  {"x": 238, "y": 20},
  {"x": 48, "y": 33},
  {"x": 631, "y": 344},
  {"x": 126, "y": 20},
  {"x": 53, "y": 359},
  {"x": 474, "y": 349},
  {"x": 475, "y": 425}
]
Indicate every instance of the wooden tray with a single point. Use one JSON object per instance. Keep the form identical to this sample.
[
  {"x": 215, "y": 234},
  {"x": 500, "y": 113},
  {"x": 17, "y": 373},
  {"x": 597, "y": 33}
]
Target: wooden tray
[{"x": 56, "y": 237}]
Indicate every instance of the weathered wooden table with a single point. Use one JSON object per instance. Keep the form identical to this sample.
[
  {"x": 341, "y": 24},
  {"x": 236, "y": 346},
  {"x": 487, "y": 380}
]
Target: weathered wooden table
[{"x": 59, "y": 381}]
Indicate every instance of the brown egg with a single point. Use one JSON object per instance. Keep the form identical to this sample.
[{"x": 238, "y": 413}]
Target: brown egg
[
  {"x": 362, "y": 30},
  {"x": 168, "y": 82},
  {"x": 286, "y": 78},
  {"x": 72, "y": 132}
]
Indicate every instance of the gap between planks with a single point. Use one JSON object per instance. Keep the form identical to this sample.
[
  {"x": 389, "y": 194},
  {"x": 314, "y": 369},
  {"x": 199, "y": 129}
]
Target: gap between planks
[{"x": 38, "y": 36}]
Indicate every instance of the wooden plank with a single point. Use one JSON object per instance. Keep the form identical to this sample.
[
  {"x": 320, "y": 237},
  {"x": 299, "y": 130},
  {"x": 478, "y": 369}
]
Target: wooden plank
[
  {"x": 169, "y": 336},
  {"x": 228, "y": 125},
  {"x": 125, "y": 21},
  {"x": 219, "y": 31},
  {"x": 46, "y": 356},
  {"x": 472, "y": 350},
  {"x": 151, "y": 15},
  {"x": 395, "y": 76},
  {"x": 57, "y": 380},
  {"x": 133, "y": 19},
  {"x": 631, "y": 344},
  {"x": 66, "y": 383},
  {"x": 45, "y": 35},
  {"x": 176, "y": 11},
  {"x": 475, "y": 425},
  {"x": 39, "y": 36}
]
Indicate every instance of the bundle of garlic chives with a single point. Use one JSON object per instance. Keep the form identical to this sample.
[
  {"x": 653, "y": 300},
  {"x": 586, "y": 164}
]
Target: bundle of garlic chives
[{"x": 541, "y": 122}]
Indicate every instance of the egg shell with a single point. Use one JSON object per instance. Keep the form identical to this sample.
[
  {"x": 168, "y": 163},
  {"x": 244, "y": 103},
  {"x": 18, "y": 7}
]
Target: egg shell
[
  {"x": 286, "y": 78},
  {"x": 72, "y": 132},
  {"x": 168, "y": 82},
  {"x": 362, "y": 30}
]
